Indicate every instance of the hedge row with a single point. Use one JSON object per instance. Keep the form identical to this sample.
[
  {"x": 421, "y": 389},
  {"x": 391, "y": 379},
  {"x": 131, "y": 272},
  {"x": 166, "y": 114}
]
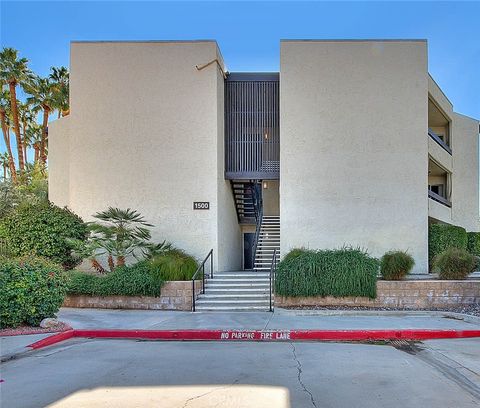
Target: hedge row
[
  {"x": 341, "y": 272},
  {"x": 135, "y": 280},
  {"x": 444, "y": 236}
]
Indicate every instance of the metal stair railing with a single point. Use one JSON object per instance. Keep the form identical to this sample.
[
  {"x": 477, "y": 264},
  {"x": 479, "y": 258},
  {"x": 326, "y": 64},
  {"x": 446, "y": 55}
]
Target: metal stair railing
[
  {"x": 258, "y": 207},
  {"x": 273, "y": 270},
  {"x": 201, "y": 267}
]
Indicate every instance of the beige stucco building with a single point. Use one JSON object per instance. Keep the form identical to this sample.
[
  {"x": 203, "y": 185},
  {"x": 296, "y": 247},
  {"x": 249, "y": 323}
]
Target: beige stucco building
[{"x": 351, "y": 143}]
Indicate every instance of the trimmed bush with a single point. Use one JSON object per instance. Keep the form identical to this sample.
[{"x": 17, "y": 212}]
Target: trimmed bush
[
  {"x": 174, "y": 265},
  {"x": 454, "y": 263},
  {"x": 444, "y": 236},
  {"x": 42, "y": 229},
  {"x": 395, "y": 265},
  {"x": 340, "y": 272},
  {"x": 31, "y": 290},
  {"x": 135, "y": 280},
  {"x": 473, "y": 244}
]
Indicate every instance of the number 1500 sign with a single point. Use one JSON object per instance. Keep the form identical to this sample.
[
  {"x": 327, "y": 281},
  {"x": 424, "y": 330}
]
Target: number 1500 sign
[{"x": 201, "y": 205}]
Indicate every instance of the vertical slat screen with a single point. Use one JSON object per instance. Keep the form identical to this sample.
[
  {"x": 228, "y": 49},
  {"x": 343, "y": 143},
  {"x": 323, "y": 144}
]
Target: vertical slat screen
[{"x": 252, "y": 129}]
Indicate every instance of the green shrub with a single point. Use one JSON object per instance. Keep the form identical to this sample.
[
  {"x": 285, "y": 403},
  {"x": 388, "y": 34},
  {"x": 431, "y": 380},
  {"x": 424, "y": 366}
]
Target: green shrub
[
  {"x": 444, "y": 236},
  {"x": 31, "y": 290},
  {"x": 341, "y": 272},
  {"x": 135, "y": 280},
  {"x": 473, "y": 244},
  {"x": 174, "y": 265},
  {"x": 395, "y": 265},
  {"x": 454, "y": 263},
  {"x": 42, "y": 229}
]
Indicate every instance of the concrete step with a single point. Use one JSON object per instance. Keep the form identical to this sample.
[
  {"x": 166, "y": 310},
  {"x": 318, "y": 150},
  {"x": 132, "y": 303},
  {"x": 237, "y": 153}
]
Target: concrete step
[
  {"x": 254, "y": 290},
  {"x": 209, "y": 286},
  {"x": 240, "y": 281},
  {"x": 202, "y": 308},
  {"x": 235, "y": 297},
  {"x": 230, "y": 302},
  {"x": 243, "y": 275}
]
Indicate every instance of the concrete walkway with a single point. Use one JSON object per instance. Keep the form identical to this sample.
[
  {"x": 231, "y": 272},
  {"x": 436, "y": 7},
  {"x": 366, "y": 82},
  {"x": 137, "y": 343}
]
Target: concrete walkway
[{"x": 281, "y": 319}]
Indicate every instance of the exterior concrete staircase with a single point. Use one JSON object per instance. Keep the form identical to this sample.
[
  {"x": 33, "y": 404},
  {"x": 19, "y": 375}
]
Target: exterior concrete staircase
[
  {"x": 245, "y": 290},
  {"x": 236, "y": 291},
  {"x": 268, "y": 242}
]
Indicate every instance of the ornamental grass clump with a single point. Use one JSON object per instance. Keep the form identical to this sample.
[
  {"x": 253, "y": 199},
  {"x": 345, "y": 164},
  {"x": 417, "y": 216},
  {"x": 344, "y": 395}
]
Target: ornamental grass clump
[
  {"x": 395, "y": 265},
  {"x": 339, "y": 272},
  {"x": 174, "y": 265},
  {"x": 454, "y": 263}
]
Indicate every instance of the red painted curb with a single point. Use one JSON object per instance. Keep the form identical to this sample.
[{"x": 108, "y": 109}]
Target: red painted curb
[
  {"x": 259, "y": 335},
  {"x": 56, "y": 338}
]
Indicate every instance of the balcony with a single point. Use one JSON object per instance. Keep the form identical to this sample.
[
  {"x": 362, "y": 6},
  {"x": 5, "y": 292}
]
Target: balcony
[
  {"x": 439, "y": 183},
  {"x": 439, "y": 126},
  {"x": 252, "y": 126},
  {"x": 439, "y": 140}
]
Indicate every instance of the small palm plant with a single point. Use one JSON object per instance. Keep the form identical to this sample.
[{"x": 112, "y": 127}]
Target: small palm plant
[{"x": 122, "y": 233}]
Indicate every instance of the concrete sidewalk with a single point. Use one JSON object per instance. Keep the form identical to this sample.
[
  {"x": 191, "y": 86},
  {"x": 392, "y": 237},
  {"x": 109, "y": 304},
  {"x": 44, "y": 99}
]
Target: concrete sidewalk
[{"x": 281, "y": 319}]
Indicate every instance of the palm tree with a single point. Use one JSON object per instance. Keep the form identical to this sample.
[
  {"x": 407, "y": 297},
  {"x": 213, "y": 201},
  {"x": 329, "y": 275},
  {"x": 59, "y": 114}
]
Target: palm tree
[
  {"x": 27, "y": 115},
  {"x": 5, "y": 163},
  {"x": 60, "y": 78},
  {"x": 14, "y": 71},
  {"x": 32, "y": 139},
  {"x": 42, "y": 92},
  {"x": 4, "y": 108}
]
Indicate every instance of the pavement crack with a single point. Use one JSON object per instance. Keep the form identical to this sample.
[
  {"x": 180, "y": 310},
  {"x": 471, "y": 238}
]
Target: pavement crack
[
  {"x": 299, "y": 376},
  {"x": 208, "y": 392}
]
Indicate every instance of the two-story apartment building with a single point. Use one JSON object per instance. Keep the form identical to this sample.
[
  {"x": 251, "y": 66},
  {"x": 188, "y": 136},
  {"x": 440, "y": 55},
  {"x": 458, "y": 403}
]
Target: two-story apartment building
[{"x": 351, "y": 143}]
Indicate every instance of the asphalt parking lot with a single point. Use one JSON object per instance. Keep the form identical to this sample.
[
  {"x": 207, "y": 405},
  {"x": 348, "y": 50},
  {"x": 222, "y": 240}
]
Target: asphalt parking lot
[{"x": 129, "y": 373}]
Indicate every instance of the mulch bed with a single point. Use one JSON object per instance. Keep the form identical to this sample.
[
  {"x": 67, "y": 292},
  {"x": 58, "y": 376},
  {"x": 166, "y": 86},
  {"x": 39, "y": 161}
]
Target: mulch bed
[{"x": 24, "y": 330}]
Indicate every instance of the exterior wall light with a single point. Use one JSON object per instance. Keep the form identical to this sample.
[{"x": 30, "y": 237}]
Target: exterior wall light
[{"x": 265, "y": 185}]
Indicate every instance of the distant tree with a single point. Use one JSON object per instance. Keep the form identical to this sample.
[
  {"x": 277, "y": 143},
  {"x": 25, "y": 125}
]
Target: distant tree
[
  {"x": 60, "y": 79},
  {"x": 14, "y": 71},
  {"x": 42, "y": 98},
  {"x": 4, "y": 114}
]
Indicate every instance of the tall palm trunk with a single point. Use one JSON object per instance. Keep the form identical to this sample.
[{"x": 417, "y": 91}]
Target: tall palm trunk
[
  {"x": 6, "y": 137},
  {"x": 43, "y": 141},
  {"x": 24, "y": 141},
  {"x": 16, "y": 125}
]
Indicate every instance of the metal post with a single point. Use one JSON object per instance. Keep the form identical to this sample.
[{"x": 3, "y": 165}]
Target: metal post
[
  {"x": 203, "y": 278},
  {"x": 193, "y": 295},
  {"x": 211, "y": 263}
]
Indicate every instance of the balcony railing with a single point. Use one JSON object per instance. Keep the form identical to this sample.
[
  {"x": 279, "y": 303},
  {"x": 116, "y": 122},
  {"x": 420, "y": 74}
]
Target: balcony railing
[
  {"x": 440, "y": 141},
  {"x": 439, "y": 199}
]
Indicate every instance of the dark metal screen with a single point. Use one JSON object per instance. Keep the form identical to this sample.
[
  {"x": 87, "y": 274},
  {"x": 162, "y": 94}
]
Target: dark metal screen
[{"x": 252, "y": 126}]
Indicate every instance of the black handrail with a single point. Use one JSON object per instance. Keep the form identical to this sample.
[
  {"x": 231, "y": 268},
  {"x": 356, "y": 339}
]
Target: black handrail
[
  {"x": 273, "y": 269},
  {"x": 202, "y": 268},
  {"x": 440, "y": 141}
]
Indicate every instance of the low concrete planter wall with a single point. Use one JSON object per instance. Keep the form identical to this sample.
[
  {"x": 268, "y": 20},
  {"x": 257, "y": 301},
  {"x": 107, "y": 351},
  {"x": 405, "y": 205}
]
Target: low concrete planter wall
[
  {"x": 414, "y": 294},
  {"x": 175, "y": 295}
]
